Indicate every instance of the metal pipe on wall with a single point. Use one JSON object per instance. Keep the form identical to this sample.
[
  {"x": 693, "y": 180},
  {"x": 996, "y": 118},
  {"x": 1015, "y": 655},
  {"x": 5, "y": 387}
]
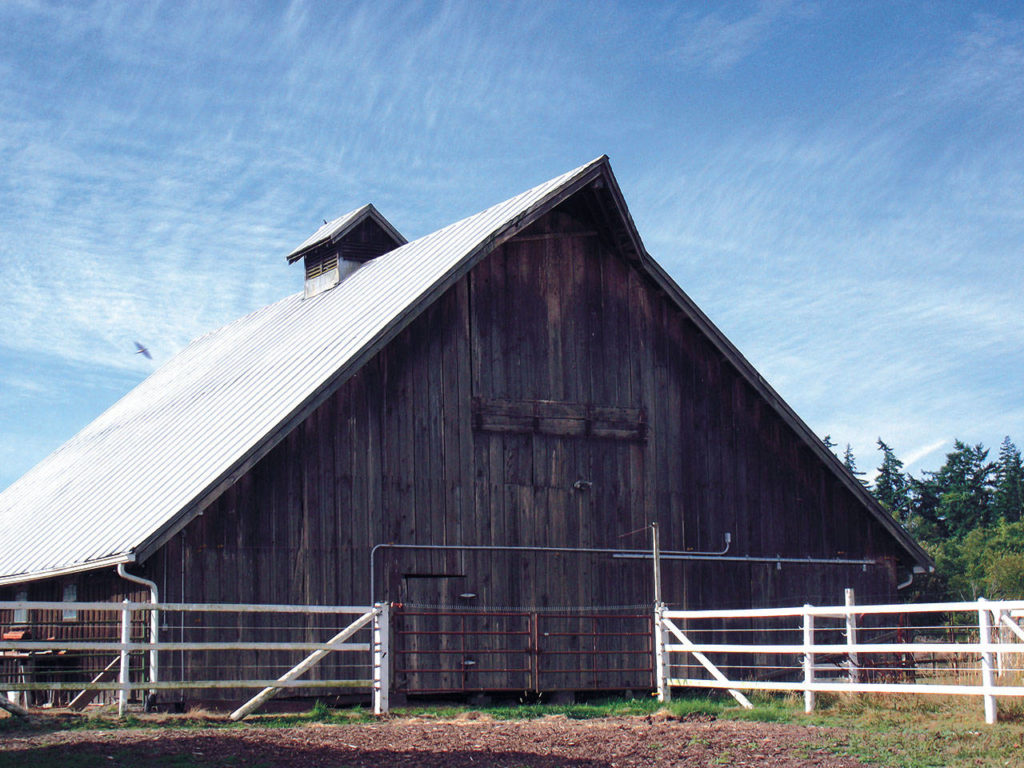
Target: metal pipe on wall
[
  {"x": 555, "y": 550},
  {"x": 626, "y": 554},
  {"x": 749, "y": 558}
]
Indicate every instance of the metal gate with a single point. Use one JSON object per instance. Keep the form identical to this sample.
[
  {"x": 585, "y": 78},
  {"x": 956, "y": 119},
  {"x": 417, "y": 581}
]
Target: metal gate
[{"x": 456, "y": 650}]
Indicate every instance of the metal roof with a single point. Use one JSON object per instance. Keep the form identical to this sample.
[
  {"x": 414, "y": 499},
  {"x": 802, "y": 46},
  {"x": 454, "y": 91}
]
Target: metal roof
[
  {"x": 183, "y": 430},
  {"x": 332, "y": 231},
  {"x": 152, "y": 461}
]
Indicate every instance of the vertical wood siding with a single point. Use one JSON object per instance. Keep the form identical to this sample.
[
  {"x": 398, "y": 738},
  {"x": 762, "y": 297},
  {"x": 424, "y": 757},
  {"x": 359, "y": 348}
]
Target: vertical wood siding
[{"x": 395, "y": 456}]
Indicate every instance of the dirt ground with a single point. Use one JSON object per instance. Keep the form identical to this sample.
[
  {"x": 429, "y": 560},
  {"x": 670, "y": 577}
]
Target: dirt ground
[{"x": 548, "y": 742}]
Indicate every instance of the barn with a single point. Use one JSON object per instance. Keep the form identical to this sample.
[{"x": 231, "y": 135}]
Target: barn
[{"x": 481, "y": 426}]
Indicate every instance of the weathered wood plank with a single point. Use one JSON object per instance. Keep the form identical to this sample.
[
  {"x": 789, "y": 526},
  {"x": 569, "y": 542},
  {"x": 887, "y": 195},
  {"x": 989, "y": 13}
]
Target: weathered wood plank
[{"x": 538, "y": 369}]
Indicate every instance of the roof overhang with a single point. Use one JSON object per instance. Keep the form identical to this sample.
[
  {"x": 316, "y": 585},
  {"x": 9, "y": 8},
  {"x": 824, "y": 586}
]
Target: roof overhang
[{"x": 54, "y": 573}]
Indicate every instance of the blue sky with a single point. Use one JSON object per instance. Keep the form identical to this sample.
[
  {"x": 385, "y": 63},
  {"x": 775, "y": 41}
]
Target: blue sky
[{"x": 839, "y": 185}]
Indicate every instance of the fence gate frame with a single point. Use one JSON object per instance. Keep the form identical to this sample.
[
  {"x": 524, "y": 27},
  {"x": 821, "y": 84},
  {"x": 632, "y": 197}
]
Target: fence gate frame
[{"x": 376, "y": 618}]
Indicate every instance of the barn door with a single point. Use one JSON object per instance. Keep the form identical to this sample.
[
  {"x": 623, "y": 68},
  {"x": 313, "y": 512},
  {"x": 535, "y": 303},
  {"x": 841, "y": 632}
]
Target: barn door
[{"x": 426, "y": 639}]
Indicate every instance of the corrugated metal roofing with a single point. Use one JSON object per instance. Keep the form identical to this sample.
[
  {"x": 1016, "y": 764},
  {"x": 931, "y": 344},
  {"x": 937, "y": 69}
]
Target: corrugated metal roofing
[{"x": 144, "y": 461}]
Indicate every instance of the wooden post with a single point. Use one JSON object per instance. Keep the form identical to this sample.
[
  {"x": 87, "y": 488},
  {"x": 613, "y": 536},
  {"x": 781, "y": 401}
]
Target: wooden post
[
  {"x": 154, "y": 655},
  {"x": 24, "y": 674},
  {"x": 88, "y": 694},
  {"x": 987, "y": 680},
  {"x": 12, "y": 707},
  {"x": 660, "y": 659},
  {"x": 997, "y": 623},
  {"x": 124, "y": 679},
  {"x": 808, "y": 659},
  {"x": 381, "y": 658},
  {"x": 656, "y": 551},
  {"x": 851, "y": 637},
  {"x": 1008, "y": 623}
]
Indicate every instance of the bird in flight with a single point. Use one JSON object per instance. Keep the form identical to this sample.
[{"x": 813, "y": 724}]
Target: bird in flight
[{"x": 141, "y": 350}]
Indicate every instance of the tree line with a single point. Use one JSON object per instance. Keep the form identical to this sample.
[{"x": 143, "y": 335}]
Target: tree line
[{"x": 968, "y": 515}]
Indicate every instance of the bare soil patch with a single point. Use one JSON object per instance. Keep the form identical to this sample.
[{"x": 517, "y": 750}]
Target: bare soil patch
[{"x": 625, "y": 742}]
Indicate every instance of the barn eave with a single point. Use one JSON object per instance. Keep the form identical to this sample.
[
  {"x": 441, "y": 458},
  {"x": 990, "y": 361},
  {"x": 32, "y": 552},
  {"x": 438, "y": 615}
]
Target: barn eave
[{"x": 68, "y": 570}]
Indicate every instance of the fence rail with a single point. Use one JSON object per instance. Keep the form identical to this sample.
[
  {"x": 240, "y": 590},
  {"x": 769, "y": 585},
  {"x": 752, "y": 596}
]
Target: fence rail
[
  {"x": 965, "y": 648},
  {"x": 250, "y": 644}
]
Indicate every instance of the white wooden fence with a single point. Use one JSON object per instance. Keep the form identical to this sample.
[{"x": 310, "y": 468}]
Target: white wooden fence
[
  {"x": 968, "y": 648},
  {"x": 33, "y": 643}
]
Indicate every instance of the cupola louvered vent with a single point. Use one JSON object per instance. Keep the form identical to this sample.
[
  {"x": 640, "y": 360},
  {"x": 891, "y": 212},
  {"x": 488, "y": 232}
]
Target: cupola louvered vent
[
  {"x": 315, "y": 268},
  {"x": 339, "y": 247}
]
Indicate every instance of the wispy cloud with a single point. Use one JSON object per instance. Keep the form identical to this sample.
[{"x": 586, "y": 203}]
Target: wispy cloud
[
  {"x": 868, "y": 260},
  {"x": 165, "y": 193},
  {"x": 861, "y": 245},
  {"x": 925, "y": 451},
  {"x": 987, "y": 65},
  {"x": 716, "y": 43}
]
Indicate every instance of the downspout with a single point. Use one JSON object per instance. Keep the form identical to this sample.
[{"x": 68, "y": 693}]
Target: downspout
[
  {"x": 913, "y": 572},
  {"x": 154, "y": 622}
]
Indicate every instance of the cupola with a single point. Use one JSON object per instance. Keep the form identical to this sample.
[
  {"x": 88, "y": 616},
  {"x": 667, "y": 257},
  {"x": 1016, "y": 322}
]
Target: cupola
[{"x": 339, "y": 247}]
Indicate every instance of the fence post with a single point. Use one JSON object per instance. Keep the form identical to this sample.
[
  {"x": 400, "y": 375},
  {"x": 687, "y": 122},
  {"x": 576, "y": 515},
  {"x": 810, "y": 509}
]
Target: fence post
[
  {"x": 381, "y": 658},
  {"x": 126, "y": 636},
  {"x": 851, "y": 637},
  {"x": 154, "y": 655},
  {"x": 999, "y": 637},
  {"x": 987, "y": 681},
  {"x": 808, "y": 659},
  {"x": 660, "y": 665}
]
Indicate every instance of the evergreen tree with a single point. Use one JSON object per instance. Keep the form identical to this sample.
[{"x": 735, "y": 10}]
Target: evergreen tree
[
  {"x": 892, "y": 488},
  {"x": 851, "y": 464},
  {"x": 1008, "y": 499},
  {"x": 957, "y": 498},
  {"x": 923, "y": 518},
  {"x": 961, "y": 516},
  {"x": 827, "y": 440}
]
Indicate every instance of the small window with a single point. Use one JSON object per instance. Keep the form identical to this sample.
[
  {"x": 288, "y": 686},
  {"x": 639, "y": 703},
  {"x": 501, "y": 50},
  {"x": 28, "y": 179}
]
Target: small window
[
  {"x": 70, "y": 596},
  {"x": 21, "y": 614}
]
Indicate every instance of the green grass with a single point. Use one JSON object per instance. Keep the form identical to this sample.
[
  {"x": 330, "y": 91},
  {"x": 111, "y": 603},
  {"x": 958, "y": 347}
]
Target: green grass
[
  {"x": 922, "y": 732},
  {"x": 897, "y": 731},
  {"x": 588, "y": 711}
]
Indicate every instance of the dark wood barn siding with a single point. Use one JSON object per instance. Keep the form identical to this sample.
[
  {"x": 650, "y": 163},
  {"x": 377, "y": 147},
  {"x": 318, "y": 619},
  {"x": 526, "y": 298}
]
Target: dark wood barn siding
[
  {"x": 410, "y": 451},
  {"x": 552, "y": 397}
]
